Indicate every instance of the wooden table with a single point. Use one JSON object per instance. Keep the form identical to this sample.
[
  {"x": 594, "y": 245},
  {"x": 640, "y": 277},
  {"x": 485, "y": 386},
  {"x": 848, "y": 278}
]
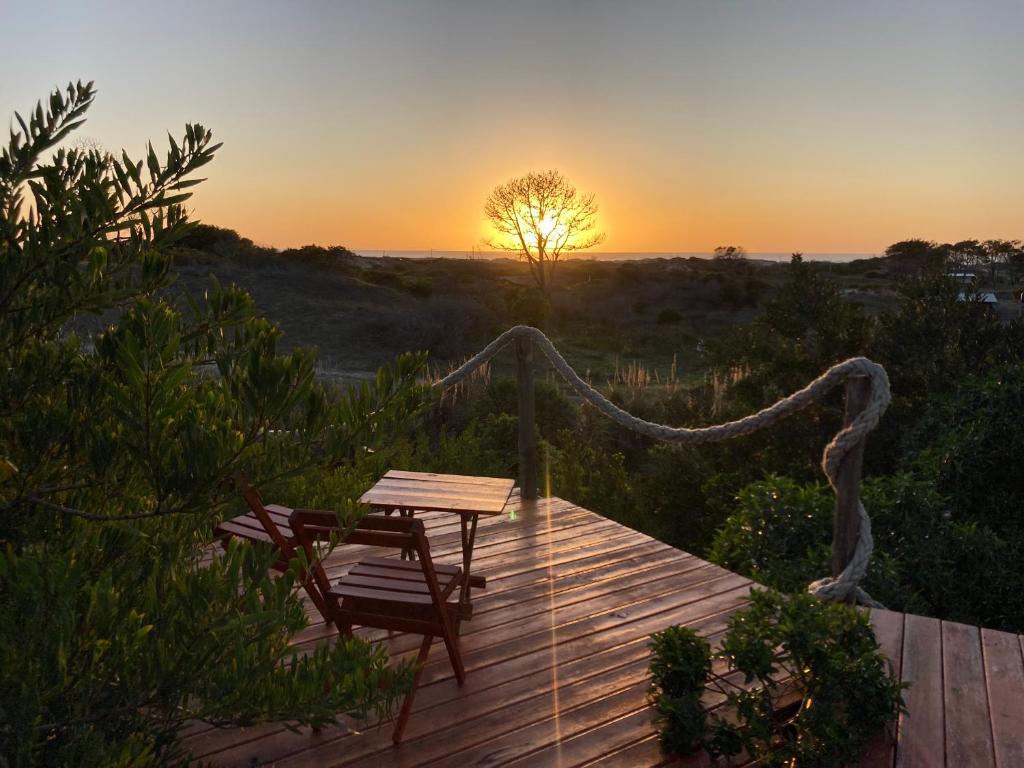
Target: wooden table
[{"x": 464, "y": 495}]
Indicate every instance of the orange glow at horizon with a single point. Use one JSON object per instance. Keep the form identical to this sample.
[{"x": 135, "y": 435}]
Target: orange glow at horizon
[
  {"x": 764, "y": 192},
  {"x": 637, "y": 214}
]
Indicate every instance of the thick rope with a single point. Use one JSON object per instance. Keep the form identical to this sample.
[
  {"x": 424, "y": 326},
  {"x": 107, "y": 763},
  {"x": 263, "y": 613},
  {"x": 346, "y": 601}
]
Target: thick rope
[{"x": 846, "y": 583}]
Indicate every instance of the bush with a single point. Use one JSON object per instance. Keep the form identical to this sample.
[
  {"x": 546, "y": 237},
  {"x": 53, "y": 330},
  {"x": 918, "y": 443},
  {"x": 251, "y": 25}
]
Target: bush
[
  {"x": 420, "y": 287},
  {"x": 221, "y": 243},
  {"x": 487, "y": 447},
  {"x": 827, "y": 649},
  {"x": 680, "y": 665},
  {"x": 627, "y": 274},
  {"x": 319, "y": 257},
  {"x": 780, "y": 535},
  {"x": 553, "y": 411},
  {"x": 592, "y": 477}
]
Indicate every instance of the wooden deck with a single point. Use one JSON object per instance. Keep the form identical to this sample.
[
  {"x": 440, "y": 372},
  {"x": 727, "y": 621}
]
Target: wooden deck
[{"x": 556, "y": 657}]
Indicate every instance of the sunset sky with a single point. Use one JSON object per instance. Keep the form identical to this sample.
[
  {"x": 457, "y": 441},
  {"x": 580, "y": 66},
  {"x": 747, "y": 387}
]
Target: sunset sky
[{"x": 816, "y": 126}]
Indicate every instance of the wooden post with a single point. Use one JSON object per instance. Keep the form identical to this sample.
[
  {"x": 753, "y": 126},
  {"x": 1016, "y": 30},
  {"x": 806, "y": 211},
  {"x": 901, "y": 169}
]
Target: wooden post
[
  {"x": 847, "y": 522},
  {"x": 527, "y": 435}
]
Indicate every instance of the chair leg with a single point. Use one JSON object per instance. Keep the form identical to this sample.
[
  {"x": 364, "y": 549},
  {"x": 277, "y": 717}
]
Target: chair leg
[
  {"x": 318, "y": 601},
  {"x": 451, "y": 643},
  {"x": 344, "y": 627},
  {"x": 403, "y": 714}
]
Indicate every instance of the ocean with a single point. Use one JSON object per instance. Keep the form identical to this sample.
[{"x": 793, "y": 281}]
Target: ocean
[{"x": 609, "y": 256}]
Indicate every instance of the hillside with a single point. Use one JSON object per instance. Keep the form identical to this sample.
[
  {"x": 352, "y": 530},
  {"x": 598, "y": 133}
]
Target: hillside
[{"x": 361, "y": 312}]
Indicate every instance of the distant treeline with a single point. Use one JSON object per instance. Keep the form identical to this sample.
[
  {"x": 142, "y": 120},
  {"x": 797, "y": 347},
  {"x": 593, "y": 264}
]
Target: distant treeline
[
  {"x": 915, "y": 257},
  {"x": 228, "y": 244}
]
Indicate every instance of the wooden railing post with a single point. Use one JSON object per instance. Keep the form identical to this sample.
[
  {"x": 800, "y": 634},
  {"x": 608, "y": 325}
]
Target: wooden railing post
[
  {"x": 527, "y": 435},
  {"x": 846, "y": 526}
]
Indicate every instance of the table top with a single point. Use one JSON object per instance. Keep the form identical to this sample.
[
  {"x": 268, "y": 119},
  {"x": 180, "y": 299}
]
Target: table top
[{"x": 446, "y": 493}]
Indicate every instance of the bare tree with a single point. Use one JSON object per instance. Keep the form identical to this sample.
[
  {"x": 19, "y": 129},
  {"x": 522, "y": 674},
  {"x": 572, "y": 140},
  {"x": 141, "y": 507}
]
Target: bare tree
[{"x": 540, "y": 217}]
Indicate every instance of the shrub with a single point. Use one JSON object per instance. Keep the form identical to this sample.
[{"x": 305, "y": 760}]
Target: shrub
[
  {"x": 486, "y": 447},
  {"x": 222, "y": 243},
  {"x": 627, "y": 274},
  {"x": 553, "y": 410},
  {"x": 591, "y": 476},
  {"x": 319, "y": 257},
  {"x": 829, "y": 652},
  {"x": 420, "y": 287},
  {"x": 527, "y": 305},
  {"x": 780, "y": 535},
  {"x": 680, "y": 665}
]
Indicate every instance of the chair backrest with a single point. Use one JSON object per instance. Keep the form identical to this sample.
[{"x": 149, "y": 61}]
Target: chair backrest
[{"x": 402, "y": 533}]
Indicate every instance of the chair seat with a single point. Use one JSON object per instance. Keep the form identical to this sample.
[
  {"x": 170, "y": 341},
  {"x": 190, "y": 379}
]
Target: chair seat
[
  {"x": 249, "y": 527},
  {"x": 392, "y": 580}
]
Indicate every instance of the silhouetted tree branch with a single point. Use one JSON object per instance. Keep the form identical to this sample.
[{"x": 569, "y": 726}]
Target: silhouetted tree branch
[{"x": 540, "y": 217}]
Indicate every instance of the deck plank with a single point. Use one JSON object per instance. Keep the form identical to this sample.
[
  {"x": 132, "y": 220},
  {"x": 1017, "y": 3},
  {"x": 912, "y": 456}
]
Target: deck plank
[
  {"x": 647, "y": 751},
  {"x": 968, "y": 729},
  {"x": 921, "y": 730},
  {"x": 1004, "y": 679},
  {"x": 888, "y": 626}
]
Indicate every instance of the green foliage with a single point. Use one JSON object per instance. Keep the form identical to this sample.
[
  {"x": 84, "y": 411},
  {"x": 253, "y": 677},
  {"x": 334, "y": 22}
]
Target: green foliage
[
  {"x": 486, "y": 447},
  {"x": 916, "y": 256},
  {"x": 973, "y": 441},
  {"x": 553, "y": 411},
  {"x": 828, "y": 651},
  {"x": 925, "y": 560},
  {"x": 742, "y": 290},
  {"x": 627, "y": 273},
  {"x": 117, "y": 624},
  {"x": 528, "y": 305},
  {"x": 678, "y": 488},
  {"x": 591, "y": 477},
  {"x": 126, "y": 649},
  {"x": 778, "y": 534},
  {"x": 417, "y": 286},
  {"x": 680, "y": 665},
  {"x": 805, "y": 327}
]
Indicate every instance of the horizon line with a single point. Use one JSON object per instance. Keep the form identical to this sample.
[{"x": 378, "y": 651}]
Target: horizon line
[{"x": 514, "y": 254}]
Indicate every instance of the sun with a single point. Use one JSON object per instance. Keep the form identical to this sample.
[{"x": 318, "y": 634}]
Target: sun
[{"x": 542, "y": 228}]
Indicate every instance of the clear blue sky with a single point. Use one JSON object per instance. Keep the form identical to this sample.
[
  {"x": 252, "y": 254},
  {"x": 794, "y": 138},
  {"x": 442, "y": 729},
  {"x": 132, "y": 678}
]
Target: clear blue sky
[{"x": 818, "y": 126}]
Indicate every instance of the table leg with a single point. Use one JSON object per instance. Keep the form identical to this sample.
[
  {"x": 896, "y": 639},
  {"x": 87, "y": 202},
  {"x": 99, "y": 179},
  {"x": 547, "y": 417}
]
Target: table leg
[
  {"x": 468, "y": 538},
  {"x": 407, "y": 554}
]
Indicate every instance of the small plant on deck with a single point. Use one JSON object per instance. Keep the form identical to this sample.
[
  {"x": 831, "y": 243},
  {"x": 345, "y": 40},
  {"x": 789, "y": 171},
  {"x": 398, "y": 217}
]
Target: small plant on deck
[{"x": 796, "y": 682}]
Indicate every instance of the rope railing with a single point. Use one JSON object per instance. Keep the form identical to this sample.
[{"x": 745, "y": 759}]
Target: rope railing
[{"x": 840, "y": 461}]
